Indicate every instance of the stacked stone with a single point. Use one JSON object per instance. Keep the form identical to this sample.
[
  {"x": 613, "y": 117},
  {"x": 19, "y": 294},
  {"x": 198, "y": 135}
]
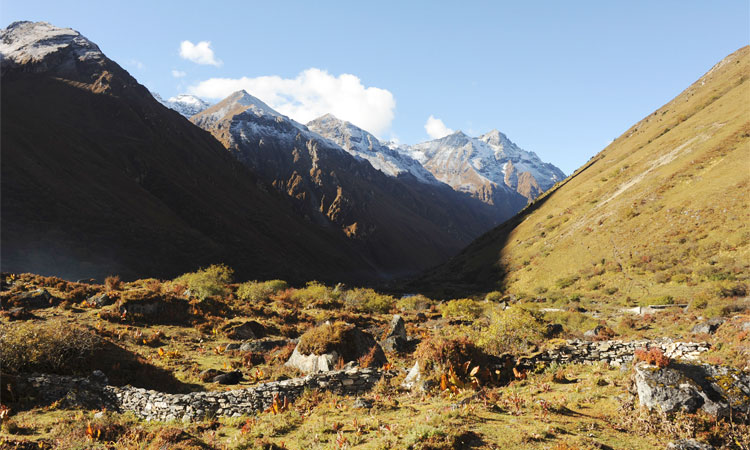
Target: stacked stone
[
  {"x": 614, "y": 352},
  {"x": 153, "y": 405}
]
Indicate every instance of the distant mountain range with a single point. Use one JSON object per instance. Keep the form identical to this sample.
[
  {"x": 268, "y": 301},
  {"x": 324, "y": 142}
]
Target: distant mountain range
[
  {"x": 99, "y": 178},
  {"x": 401, "y": 223},
  {"x": 137, "y": 189},
  {"x": 489, "y": 167}
]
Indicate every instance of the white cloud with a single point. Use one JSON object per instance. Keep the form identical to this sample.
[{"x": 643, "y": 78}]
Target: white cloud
[
  {"x": 311, "y": 94},
  {"x": 436, "y": 128},
  {"x": 178, "y": 73},
  {"x": 200, "y": 53}
]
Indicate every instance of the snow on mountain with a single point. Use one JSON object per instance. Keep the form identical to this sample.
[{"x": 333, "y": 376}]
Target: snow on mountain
[
  {"x": 473, "y": 164},
  {"x": 185, "y": 104},
  {"x": 33, "y": 42},
  {"x": 253, "y": 121},
  {"x": 364, "y": 145},
  {"x": 505, "y": 151}
]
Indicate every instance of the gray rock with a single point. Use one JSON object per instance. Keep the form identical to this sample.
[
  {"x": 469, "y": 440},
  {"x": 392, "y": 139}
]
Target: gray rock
[
  {"x": 397, "y": 327},
  {"x": 688, "y": 444},
  {"x": 396, "y": 340},
  {"x": 247, "y": 330},
  {"x": 708, "y": 327},
  {"x": 689, "y": 387},
  {"x": 313, "y": 363},
  {"x": 413, "y": 378},
  {"x": 101, "y": 300},
  {"x": 233, "y": 346},
  {"x": 263, "y": 345},
  {"x": 233, "y": 377},
  {"x": 363, "y": 403},
  {"x": 39, "y": 298}
]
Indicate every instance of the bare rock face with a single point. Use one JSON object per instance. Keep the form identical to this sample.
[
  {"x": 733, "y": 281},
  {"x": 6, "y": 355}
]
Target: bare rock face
[
  {"x": 395, "y": 340},
  {"x": 687, "y": 387}
]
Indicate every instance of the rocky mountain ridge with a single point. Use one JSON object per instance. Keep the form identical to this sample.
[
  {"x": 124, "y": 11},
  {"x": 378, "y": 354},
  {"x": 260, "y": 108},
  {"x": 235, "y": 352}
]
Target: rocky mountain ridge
[
  {"x": 401, "y": 223},
  {"x": 120, "y": 184}
]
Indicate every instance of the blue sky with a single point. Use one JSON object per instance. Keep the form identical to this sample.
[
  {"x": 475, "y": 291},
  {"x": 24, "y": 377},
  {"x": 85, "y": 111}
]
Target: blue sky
[{"x": 558, "y": 78}]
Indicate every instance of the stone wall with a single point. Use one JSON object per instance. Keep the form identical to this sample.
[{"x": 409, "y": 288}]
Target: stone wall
[
  {"x": 614, "y": 352},
  {"x": 93, "y": 392}
]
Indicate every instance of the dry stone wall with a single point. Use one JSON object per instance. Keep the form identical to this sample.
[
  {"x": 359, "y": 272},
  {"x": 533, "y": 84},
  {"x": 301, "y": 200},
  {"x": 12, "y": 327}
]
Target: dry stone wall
[
  {"x": 94, "y": 392},
  {"x": 614, "y": 352}
]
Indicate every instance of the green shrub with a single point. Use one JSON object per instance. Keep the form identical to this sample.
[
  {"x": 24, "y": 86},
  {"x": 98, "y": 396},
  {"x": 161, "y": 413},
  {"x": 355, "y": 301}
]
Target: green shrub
[
  {"x": 324, "y": 338},
  {"x": 414, "y": 303},
  {"x": 572, "y": 320},
  {"x": 494, "y": 296},
  {"x": 316, "y": 294},
  {"x": 207, "y": 282},
  {"x": 50, "y": 346},
  {"x": 564, "y": 282},
  {"x": 611, "y": 290},
  {"x": 367, "y": 300},
  {"x": 437, "y": 354},
  {"x": 258, "y": 291},
  {"x": 514, "y": 330},
  {"x": 464, "y": 308},
  {"x": 661, "y": 300}
]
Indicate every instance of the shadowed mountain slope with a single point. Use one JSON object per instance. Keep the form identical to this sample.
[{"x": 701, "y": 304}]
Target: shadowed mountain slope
[{"x": 100, "y": 178}]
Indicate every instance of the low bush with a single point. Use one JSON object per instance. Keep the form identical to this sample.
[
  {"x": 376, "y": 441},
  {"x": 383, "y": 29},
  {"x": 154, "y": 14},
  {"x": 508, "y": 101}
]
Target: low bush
[
  {"x": 207, "y": 282},
  {"x": 514, "y": 330},
  {"x": 317, "y": 295},
  {"x": 437, "y": 354},
  {"x": 324, "y": 338},
  {"x": 564, "y": 282},
  {"x": 494, "y": 296},
  {"x": 464, "y": 308},
  {"x": 255, "y": 291},
  {"x": 53, "y": 346},
  {"x": 367, "y": 301},
  {"x": 661, "y": 300},
  {"x": 654, "y": 356},
  {"x": 414, "y": 303}
]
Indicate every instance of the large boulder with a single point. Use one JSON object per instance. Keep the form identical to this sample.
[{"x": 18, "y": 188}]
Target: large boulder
[
  {"x": 39, "y": 298},
  {"x": 708, "y": 327},
  {"x": 313, "y": 363},
  {"x": 396, "y": 340},
  {"x": 245, "y": 331},
  {"x": 689, "y": 387},
  {"x": 101, "y": 300},
  {"x": 320, "y": 348}
]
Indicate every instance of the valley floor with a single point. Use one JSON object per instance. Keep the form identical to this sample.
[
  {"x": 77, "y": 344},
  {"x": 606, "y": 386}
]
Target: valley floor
[{"x": 166, "y": 335}]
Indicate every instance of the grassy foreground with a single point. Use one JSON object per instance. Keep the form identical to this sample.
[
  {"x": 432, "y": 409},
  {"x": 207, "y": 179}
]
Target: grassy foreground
[{"x": 557, "y": 407}]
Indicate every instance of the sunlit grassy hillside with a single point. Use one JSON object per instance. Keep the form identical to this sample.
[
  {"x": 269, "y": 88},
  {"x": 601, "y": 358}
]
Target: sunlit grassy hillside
[{"x": 660, "y": 215}]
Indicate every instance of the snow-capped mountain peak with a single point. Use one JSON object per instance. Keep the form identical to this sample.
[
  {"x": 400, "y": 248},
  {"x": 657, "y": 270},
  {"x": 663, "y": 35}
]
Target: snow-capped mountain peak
[
  {"x": 185, "y": 104},
  {"x": 364, "y": 145},
  {"x": 35, "y": 42},
  {"x": 254, "y": 104},
  {"x": 476, "y": 164}
]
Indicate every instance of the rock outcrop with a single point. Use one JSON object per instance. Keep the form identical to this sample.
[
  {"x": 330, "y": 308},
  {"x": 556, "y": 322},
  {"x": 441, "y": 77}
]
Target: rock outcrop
[{"x": 718, "y": 391}]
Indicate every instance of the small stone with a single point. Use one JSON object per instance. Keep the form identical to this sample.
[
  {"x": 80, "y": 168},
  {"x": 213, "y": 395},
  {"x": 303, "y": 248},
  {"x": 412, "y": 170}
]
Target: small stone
[{"x": 362, "y": 403}]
